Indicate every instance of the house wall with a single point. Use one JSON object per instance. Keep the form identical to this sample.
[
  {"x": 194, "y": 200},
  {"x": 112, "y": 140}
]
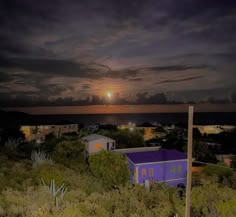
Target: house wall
[
  {"x": 148, "y": 132},
  {"x": 172, "y": 172},
  {"x": 134, "y": 171},
  {"x": 98, "y": 145}
]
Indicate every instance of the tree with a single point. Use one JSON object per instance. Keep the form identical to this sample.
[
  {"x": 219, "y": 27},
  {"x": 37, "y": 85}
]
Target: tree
[
  {"x": 202, "y": 152},
  {"x": 50, "y": 142},
  {"x": 175, "y": 140},
  {"x": 110, "y": 167},
  {"x": 226, "y": 176},
  {"x": 210, "y": 199},
  {"x": 128, "y": 139},
  {"x": 68, "y": 149},
  {"x": 196, "y": 133},
  {"x": 84, "y": 132}
]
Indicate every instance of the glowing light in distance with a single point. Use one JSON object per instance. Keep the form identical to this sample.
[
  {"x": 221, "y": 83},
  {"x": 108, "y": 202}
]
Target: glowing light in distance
[{"x": 109, "y": 95}]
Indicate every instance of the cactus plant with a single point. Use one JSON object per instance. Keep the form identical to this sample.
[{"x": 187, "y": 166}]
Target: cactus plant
[
  {"x": 56, "y": 193},
  {"x": 39, "y": 158},
  {"x": 11, "y": 144}
]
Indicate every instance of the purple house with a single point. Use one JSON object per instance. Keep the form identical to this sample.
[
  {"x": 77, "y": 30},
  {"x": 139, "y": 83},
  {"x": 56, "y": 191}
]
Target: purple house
[{"x": 169, "y": 166}]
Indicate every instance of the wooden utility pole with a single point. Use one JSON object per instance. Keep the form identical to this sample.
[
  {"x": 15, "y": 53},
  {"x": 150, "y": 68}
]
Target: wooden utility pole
[{"x": 189, "y": 169}]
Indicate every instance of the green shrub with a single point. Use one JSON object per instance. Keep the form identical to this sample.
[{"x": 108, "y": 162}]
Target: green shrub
[
  {"x": 75, "y": 196},
  {"x": 48, "y": 172},
  {"x": 227, "y": 208},
  {"x": 30, "y": 203},
  {"x": 68, "y": 150},
  {"x": 17, "y": 175},
  {"x": 208, "y": 199},
  {"x": 110, "y": 167},
  {"x": 72, "y": 179}
]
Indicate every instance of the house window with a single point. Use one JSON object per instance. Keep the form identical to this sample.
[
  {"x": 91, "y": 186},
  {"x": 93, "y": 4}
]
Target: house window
[
  {"x": 151, "y": 172},
  {"x": 108, "y": 146},
  {"x": 172, "y": 169},
  {"x": 143, "y": 172},
  {"x": 179, "y": 169},
  {"x": 98, "y": 146}
]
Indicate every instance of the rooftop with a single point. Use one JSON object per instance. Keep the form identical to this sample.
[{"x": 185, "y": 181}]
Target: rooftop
[
  {"x": 93, "y": 137},
  {"x": 155, "y": 156}
]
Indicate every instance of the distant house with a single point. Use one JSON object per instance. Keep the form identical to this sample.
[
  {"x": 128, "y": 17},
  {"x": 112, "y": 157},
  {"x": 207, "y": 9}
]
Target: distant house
[
  {"x": 38, "y": 132},
  {"x": 148, "y": 130},
  {"x": 95, "y": 143},
  {"x": 214, "y": 129},
  {"x": 169, "y": 166}
]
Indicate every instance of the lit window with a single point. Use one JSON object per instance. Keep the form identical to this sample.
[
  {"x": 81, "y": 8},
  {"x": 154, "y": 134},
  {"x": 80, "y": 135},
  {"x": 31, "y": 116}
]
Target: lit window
[
  {"x": 172, "y": 169},
  {"x": 143, "y": 172},
  {"x": 98, "y": 146},
  {"x": 151, "y": 172},
  {"x": 179, "y": 169}
]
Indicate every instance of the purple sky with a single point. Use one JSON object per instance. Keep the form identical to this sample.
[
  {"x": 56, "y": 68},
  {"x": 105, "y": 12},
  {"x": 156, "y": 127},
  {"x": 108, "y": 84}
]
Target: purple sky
[{"x": 72, "y": 52}]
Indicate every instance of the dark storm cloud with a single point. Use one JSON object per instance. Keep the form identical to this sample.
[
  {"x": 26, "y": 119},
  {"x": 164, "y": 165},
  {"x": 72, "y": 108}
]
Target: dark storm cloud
[
  {"x": 57, "y": 49},
  {"x": 69, "y": 68},
  {"x": 135, "y": 79},
  {"x": 66, "y": 68},
  {"x": 229, "y": 57},
  {"x": 123, "y": 74},
  {"x": 50, "y": 66},
  {"x": 4, "y": 77},
  {"x": 176, "y": 68},
  {"x": 180, "y": 79}
]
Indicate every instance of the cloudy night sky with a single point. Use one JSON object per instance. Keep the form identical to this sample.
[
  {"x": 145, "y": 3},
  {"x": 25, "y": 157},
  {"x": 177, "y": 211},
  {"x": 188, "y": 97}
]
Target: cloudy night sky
[{"x": 90, "y": 52}]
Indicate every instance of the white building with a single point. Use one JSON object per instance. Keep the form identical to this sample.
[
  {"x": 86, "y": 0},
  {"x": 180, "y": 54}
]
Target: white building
[
  {"x": 95, "y": 143},
  {"x": 214, "y": 129}
]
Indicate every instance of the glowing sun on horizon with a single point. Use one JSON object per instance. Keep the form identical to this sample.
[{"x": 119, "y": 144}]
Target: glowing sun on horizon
[{"x": 109, "y": 95}]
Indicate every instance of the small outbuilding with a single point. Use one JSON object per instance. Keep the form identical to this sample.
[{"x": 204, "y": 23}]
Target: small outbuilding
[{"x": 95, "y": 143}]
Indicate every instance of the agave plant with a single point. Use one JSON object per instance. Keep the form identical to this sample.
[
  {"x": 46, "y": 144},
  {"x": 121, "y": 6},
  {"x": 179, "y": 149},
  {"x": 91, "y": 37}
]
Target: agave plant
[
  {"x": 39, "y": 158},
  {"x": 11, "y": 144},
  {"x": 57, "y": 193}
]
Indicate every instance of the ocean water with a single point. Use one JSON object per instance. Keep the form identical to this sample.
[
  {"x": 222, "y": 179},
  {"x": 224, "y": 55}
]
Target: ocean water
[{"x": 164, "y": 118}]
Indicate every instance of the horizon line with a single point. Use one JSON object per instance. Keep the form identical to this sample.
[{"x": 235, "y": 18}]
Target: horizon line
[{"x": 123, "y": 109}]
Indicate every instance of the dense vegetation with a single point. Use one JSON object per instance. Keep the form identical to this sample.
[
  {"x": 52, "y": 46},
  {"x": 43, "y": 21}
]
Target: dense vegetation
[
  {"x": 100, "y": 188},
  {"x": 124, "y": 137}
]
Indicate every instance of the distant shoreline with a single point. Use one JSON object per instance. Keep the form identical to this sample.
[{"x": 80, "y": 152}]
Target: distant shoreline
[
  {"x": 202, "y": 118},
  {"x": 122, "y": 109}
]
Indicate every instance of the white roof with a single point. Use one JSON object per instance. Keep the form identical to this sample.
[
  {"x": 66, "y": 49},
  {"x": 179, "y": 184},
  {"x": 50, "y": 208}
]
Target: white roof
[{"x": 93, "y": 137}]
